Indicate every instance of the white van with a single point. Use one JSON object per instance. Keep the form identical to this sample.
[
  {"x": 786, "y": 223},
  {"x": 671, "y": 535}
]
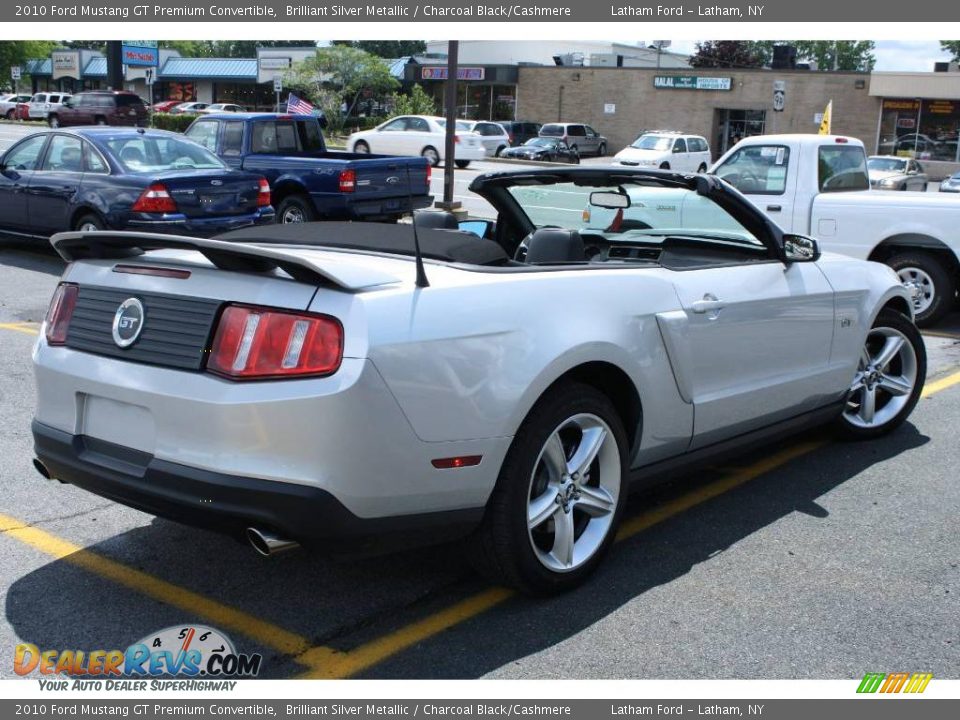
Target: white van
[{"x": 667, "y": 151}]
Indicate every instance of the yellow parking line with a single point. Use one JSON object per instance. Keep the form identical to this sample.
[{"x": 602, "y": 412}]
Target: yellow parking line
[
  {"x": 326, "y": 662},
  {"x": 28, "y": 328},
  {"x": 223, "y": 616}
]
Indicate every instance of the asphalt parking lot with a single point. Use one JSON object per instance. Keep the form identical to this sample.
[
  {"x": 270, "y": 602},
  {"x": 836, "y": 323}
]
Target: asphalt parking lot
[
  {"x": 807, "y": 559},
  {"x": 810, "y": 558}
]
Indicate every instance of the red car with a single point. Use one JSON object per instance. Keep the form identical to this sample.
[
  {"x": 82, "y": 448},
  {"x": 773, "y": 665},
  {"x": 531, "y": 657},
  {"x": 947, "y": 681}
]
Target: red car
[
  {"x": 165, "y": 105},
  {"x": 22, "y": 111}
]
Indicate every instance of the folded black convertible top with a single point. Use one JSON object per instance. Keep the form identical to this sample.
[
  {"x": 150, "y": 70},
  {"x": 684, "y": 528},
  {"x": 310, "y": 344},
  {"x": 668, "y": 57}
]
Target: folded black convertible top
[{"x": 446, "y": 245}]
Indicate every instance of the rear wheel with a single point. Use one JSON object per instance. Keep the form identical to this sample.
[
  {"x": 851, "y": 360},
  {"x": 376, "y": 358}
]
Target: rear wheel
[
  {"x": 100, "y": 120},
  {"x": 560, "y": 494},
  {"x": 702, "y": 168},
  {"x": 295, "y": 209},
  {"x": 53, "y": 121},
  {"x": 889, "y": 378},
  {"x": 10, "y": 114},
  {"x": 462, "y": 164},
  {"x": 602, "y": 150},
  {"x": 432, "y": 156},
  {"x": 500, "y": 150},
  {"x": 665, "y": 166},
  {"x": 89, "y": 223},
  {"x": 931, "y": 285},
  {"x": 361, "y": 147}
]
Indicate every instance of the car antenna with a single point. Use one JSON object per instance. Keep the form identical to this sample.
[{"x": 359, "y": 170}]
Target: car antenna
[{"x": 422, "y": 281}]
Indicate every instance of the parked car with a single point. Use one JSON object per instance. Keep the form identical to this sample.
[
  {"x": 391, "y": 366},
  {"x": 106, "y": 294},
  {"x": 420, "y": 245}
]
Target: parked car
[
  {"x": 541, "y": 148},
  {"x": 124, "y": 179},
  {"x": 222, "y": 107},
  {"x": 165, "y": 106},
  {"x": 43, "y": 103},
  {"x": 888, "y": 172},
  {"x": 423, "y": 135},
  {"x": 188, "y": 108},
  {"x": 492, "y": 135},
  {"x": 582, "y": 138},
  {"x": 667, "y": 151},
  {"x": 8, "y": 105},
  {"x": 100, "y": 107},
  {"x": 520, "y": 131},
  {"x": 22, "y": 111},
  {"x": 951, "y": 184},
  {"x": 308, "y": 181},
  {"x": 495, "y": 412},
  {"x": 818, "y": 184}
]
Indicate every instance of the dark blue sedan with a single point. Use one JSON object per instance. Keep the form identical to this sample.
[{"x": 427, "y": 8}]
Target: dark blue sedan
[{"x": 124, "y": 179}]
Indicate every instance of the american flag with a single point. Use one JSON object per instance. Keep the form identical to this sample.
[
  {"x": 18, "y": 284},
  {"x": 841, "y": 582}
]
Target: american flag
[{"x": 298, "y": 106}]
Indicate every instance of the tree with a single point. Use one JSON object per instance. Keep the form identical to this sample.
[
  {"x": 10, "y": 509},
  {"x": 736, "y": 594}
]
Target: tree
[
  {"x": 952, "y": 47},
  {"x": 417, "y": 102},
  {"x": 336, "y": 77},
  {"x": 731, "y": 54},
  {"x": 191, "y": 48},
  {"x": 848, "y": 55},
  {"x": 17, "y": 52},
  {"x": 390, "y": 49}
]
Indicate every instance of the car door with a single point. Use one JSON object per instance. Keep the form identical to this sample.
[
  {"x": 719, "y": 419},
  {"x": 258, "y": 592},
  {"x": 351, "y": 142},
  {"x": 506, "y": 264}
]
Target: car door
[
  {"x": 55, "y": 184},
  {"x": 916, "y": 177},
  {"x": 389, "y": 138},
  {"x": 417, "y": 135},
  {"x": 680, "y": 160},
  {"x": 751, "y": 342},
  {"x": 762, "y": 172},
  {"x": 19, "y": 164}
]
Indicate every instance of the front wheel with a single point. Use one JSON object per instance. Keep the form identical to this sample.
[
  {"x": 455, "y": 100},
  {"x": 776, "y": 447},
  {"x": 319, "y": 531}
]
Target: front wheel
[
  {"x": 665, "y": 166},
  {"x": 11, "y": 114},
  {"x": 53, "y": 121},
  {"x": 432, "y": 156},
  {"x": 462, "y": 164},
  {"x": 558, "y": 500},
  {"x": 89, "y": 223},
  {"x": 602, "y": 150},
  {"x": 702, "y": 169},
  {"x": 295, "y": 209},
  {"x": 888, "y": 380},
  {"x": 931, "y": 285},
  {"x": 361, "y": 147}
]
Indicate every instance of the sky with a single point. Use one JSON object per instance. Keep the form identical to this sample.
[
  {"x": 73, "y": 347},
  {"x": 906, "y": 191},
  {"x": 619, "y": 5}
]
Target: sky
[{"x": 892, "y": 55}]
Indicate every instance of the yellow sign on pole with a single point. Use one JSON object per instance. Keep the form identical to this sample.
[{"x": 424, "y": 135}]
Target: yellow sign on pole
[{"x": 825, "y": 124}]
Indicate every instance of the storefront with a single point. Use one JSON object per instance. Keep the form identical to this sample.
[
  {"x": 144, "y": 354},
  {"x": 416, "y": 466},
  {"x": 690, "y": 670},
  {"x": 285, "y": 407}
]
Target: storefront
[{"x": 484, "y": 92}]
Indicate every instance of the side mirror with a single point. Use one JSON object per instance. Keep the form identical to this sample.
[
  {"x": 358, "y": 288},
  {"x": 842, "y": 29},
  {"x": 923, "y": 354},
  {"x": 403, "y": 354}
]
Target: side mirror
[{"x": 800, "y": 248}]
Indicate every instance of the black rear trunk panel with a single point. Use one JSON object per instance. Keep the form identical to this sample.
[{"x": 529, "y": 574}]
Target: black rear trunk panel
[{"x": 176, "y": 330}]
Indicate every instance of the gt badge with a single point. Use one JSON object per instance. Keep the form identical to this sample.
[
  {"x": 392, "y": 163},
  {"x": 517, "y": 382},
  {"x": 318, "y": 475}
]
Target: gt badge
[{"x": 128, "y": 322}]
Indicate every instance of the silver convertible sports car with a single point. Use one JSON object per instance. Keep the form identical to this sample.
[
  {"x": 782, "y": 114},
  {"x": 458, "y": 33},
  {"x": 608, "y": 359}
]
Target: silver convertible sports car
[{"x": 344, "y": 386}]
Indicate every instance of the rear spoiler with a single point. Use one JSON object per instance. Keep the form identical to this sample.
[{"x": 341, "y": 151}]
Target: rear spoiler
[{"x": 245, "y": 258}]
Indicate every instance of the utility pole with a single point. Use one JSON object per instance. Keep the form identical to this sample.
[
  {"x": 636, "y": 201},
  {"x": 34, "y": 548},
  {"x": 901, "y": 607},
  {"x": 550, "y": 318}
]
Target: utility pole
[
  {"x": 450, "y": 112},
  {"x": 114, "y": 65}
]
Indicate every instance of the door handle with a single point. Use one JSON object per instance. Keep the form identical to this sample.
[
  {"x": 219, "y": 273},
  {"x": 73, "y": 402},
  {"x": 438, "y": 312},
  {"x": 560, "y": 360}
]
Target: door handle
[
  {"x": 709, "y": 304},
  {"x": 774, "y": 208}
]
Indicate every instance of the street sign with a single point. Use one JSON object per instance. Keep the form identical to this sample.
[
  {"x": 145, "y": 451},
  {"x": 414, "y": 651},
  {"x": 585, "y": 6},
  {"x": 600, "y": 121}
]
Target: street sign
[
  {"x": 779, "y": 95},
  {"x": 15, "y": 72},
  {"x": 277, "y": 84}
]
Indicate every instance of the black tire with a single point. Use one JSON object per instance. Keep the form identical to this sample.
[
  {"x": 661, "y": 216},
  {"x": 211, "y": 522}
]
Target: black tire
[
  {"x": 702, "y": 168},
  {"x": 361, "y": 147},
  {"x": 901, "y": 324},
  {"x": 100, "y": 120},
  {"x": 665, "y": 166},
  {"x": 53, "y": 121},
  {"x": 89, "y": 219},
  {"x": 10, "y": 114},
  {"x": 944, "y": 288},
  {"x": 503, "y": 548},
  {"x": 574, "y": 148},
  {"x": 431, "y": 154},
  {"x": 295, "y": 209},
  {"x": 462, "y": 164},
  {"x": 500, "y": 150},
  {"x": 602, "y": 150}
]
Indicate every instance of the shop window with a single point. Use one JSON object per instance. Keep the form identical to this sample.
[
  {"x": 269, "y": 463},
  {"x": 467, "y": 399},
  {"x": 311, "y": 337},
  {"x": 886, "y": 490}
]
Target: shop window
[{"x": 921, "y": 129}]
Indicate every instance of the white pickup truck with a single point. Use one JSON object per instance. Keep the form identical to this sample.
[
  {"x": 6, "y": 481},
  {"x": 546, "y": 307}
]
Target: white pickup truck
[{"x": 817, "y": 185}]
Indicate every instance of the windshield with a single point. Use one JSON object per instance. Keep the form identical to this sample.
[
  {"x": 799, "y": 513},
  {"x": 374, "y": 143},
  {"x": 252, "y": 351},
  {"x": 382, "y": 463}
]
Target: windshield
[
  {"x": 653, "y": 142},
  {"x": 461, "y": 125},
  {"x": 655, "y": 212},
  {"x": 540, "y": 142},
  {"x": 886, "y": 164},
  {"x": 146, "y": 154}
]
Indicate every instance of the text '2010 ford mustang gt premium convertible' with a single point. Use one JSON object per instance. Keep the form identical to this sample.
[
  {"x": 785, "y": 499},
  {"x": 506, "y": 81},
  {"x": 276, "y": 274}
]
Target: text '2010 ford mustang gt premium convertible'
[{"x": 336, "y": 384}]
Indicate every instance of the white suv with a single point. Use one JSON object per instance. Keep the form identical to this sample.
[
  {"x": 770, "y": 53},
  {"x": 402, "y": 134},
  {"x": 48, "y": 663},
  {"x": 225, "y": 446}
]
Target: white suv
[
  {"x": 43, "y": 103},
  {"x": 667, "y": 151}
]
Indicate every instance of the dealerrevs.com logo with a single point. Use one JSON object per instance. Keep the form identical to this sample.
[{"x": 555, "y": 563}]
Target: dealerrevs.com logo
[{"x": 202, "y": 655}]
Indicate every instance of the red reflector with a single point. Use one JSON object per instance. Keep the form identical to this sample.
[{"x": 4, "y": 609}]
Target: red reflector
[
  {"x": 348, "y": 181},
  {"x": 155, "y": 272},
  {"x": 59, "y": 313},
  {"x": 456, "y": 462},
  {"x": 155, "y": 199},
  {"x": 456, "y": 139},
  {"x": 429, "y": 173},
  {"x": 253, "y": 343},
  {"x": 263, "y": 196}
]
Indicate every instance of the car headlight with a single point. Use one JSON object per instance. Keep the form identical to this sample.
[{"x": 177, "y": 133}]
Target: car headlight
[{"x": 889, "y": 182}]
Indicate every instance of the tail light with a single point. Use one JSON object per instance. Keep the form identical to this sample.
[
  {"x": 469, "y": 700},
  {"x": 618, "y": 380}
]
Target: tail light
[
  {"x": 348, "y": 181},
  {"x": 253, "y": 343},
  {"x": 456, "y": 139},
  {"x": 510, "y": 138},
  {"x": 60, "y": 312},
  {"x": 263, "y": 196},
  {"x": 155, "y": 199},
  {"x": 429, "y": 173}
]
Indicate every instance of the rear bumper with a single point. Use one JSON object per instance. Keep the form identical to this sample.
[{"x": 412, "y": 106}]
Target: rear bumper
[
  {"x": 355, "y": 208},
  {"x": 230, "y": 503},
  {"x": 198, "y": 227}
]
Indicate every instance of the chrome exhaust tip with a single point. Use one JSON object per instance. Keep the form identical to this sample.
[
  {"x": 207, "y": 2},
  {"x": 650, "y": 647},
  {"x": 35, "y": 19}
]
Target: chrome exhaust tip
[
  {"x": 42, "y": 469},
  {"x": 267, "y": 544}
]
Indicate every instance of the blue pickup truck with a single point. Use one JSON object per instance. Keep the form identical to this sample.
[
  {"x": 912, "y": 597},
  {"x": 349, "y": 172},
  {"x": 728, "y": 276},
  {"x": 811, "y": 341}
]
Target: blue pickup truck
[{"x": 307, "y": 181}]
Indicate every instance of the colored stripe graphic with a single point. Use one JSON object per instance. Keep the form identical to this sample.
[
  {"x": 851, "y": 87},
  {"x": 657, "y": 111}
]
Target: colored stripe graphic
[
  {"x": 894, "y": 682},
  {"x": 871, "y": 682}
]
